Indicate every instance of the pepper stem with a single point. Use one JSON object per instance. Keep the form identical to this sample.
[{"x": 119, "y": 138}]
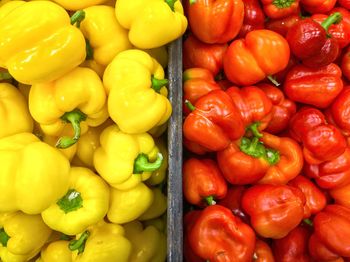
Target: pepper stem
[
  {"x": 4, "y": 238},
  {"x": 282, "y": 3},
  {"x": 74, "y": 117},
  {"x": 171, "y": 4},
  {"x": 272, "y": 156},
  {"x": 189, "y": 105},
  {"x": 255, "y": 256},
  {"x": 71, "y": 201},
  {"x": 79, "y": 244},
  {"x": 77, "y": 17},
  {"x": 252, "y": 147},
  {"x": 210, "y": 200},
  {"x": 89, "y": 50},
  {"x": 308, "y": 222},
  {"x": 142, "y": 164},
  {"x": 273, "y": 80},
  {"x": 254, "y": 128},
  {"x": 332, "y": 19},
  {"x": 5, "y": 76},
  {"x": 192, "y": 2},
  {"x": 157, "y": 84}
]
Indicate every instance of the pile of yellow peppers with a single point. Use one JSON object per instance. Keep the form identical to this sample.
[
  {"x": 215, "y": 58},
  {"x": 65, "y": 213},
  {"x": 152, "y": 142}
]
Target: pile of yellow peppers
[{"x": 83, "y": 109}]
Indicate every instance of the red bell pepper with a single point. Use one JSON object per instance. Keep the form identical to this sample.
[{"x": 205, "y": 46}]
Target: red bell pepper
[
  {"x": 215, "y": 22},
  {"x": 308, "y": 40},
  {"x": 262, "y": 252},
  {"x": 279, "y": 9},
  {"x": 214, "y": 121},
  {"x": 344, "y": 3},
  {"x": 282, "y": 25},
  {"x": 318, "y": 6},
  {"x": 202, "y": 55},
  {"x": 339, "y": 112},
  {"x": 274, "y": 210},
  {"x": 314, "y": 86},
  {"x": 254, "y": 17},
  {"x": 250, "y": 60},
  {"x": 345, "y": 64},
  {"x": 189, "y": 220},
  {"x": 294, "y": 246},
  {"x": 315, "y": 199},
  {"x": 282, "y": 109},
  {"x": 341, "y": 195},
  {"x": 218, "y": 235},
  {"x": 194, "y": 147},
  {"x": 320, "y": 253},
  {"x": 203, "y": 182}
]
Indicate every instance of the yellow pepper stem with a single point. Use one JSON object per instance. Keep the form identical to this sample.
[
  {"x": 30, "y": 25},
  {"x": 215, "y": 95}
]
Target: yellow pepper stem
[
  {"x": 5, "y": 76},
  {"x": 142, "y": 164},
  {"x": 74, "y": 117},
  {"x": 189, "y": 105},
  {"x": 89, "y": 50},
  {"x": 79, "y": 244},
  {"x": 71, "y": 201},
  {"x": 4, "y": 238},
  {"x": 171, "y": 3},
  {"x": 77, "y": 17},
  {"x": 157, "y": 84}
]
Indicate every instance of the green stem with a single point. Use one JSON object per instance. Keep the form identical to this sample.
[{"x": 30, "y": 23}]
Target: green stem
[
  {"x": 252, "y": 147},
  {"x": 157, "y": 84},
  {"x": 273, "y": 80},
  {"x": 65, "y": 237},
  {"x": 254, "y": 128},
  {"x": 332, "y": 19},
  {"x": 5, "y": 76},
  {"x": 282, "y": 3},
  {"x": 71, "y": 201},
  {"x": 89, "y": 50},
  {"x": 79, "y": 244},
  {"x": 142, "y": 164},
  {"x": 77, "y": 17},
  {"x": 171, "y": 4},
  {"x": 192, "y": 2},
  {"x": 4, "y": 238},
  {"x": 189, "y": 105},
  {"x": 210, "y": 200},
  {"x": 272, "y": 156},
  {"x": 74, "y": 117},
  {"x": 308, "y": 222}
]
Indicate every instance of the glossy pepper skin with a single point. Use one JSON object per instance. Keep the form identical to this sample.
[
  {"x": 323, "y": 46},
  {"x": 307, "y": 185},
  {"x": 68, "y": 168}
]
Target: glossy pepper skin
[
  {"x": 189, "y": 221},
  {"x": 262, "y": 252},
  {"x": 77, "y": 98},
  {"x": 125, "y": 160},
  {"x": 318, "y": 6},
  {"x": 158, "y": 206},
  {"x": 341, "y": 195},
  {"x": 42, "y": 48},
  {"x": 153, "y": 23},
  {"x": 246, "y": 62},
  {"x": 279, "y": 9},
  {"x": 214, "y": 121},
  {"x": 197, "y": 54},
  {"x": 77, "y": 5},
  {"x": 345, "y": 64},
  {"x": 344, "y": 3},
  {"x": 14, "y": 113},
  {"x": 32, "y": 184},
  {"x": 274, "y": 210},
  {"x": 85, "y": 203},
  {"x": 282, "y": 25},
  {"x": 136, "y": 90},
  {"x": 309, "y": 42},
  {"x": 56, "y": 251},
  {"x": 203, "y": 182},
  {"x": 254, "y": 17},
  {"x": 314, "y": 86},
  {"x": 159, "y": 175},
  {"x": 282, "y": 109},
  {"x": 218, "y": 235},
  {"x": 338, "y": 112},
  {"x": 215, "y": 22},
  {"x": 22, "y": 236}
]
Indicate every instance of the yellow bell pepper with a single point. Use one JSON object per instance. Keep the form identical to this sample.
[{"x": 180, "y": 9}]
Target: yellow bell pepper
[
  {"x": 14, "y": 113},
  {"x": 133, "y": 80},
  {"x": 128, "y": 205},
  {"x": 33, "y": 175},
  {"x": 147, "y": 244},
  {"x": 77, "y": 98},
  {"x": 78, "y": 4},
  {"x": 103, "y": 242},
  {"x": 123, "y": 160},
  {"x": 38, "y": 42},
  {"x": 160, "y": 54},
  {"x": 159, "y": 223},
  {"x": 105, "y": 35},
  {"x": 21, "y": 236},
  {"x": 85, "y": 203},
  {"x": 69, "y": 152},
  {"x": 158, "y": 207},
  {"x": 57, "y": 251},
  {"x": 92, "y": 64},
  {"x": 159, "y": 175},
  {"x": 151, "y": 23}
]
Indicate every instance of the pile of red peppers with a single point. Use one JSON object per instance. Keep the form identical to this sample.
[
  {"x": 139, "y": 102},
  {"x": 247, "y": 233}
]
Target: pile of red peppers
[{"x": 266, "y": 131}]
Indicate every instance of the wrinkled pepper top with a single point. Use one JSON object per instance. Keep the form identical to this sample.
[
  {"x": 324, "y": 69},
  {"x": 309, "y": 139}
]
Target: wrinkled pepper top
[{"x": 78, "y": 4}]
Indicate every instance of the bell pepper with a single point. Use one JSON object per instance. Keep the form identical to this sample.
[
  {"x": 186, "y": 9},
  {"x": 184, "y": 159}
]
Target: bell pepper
[
  {"x": 189, "y": 220},
  {"x": 153, "y": 23},
  {"x": 262, "y": 252},
  {"x": 137, "y": 97},
  {"x": 294, "y": 246},
  {"x": 282, "y": 25},
  {"x": 69, "y": 152},
  {"x": 315, "y": 199},
  {"x": 331, "y": 233},
  {"x": 274, "y": 210},
  {"x": 341, "y": 195},
  {"x": 203, "y": 182},
  {"x": 337, "y": 113},
  {"x": 197, "y": 54},
  {"x": 254, "y": 17},
  {"x": 246, "y": 61},
  {"x": 159, "y": 175},
  {"x": 315, "y": 48},
  {"x": 344, "y": 3},
  {"x": 128, "y": 205},
  {"x": 38, "y": 48},
  {"x": 56, "y": 251},
  {"x": 321, "y": 141},
  {"x": 314, "y": 86},
  {"x": 214, "y": 121},
  {"x": 77, "y": 4},
  {"x": 105, "y": 36},
  {"x": 158, "y": 207},
  {"x": 345, "y": 64},
  {"x": 148, "y": 244},
  {"x": 279, "y": 9},
  {"x": 215, "y": 22},
  {"x": 160, "y": 54},
  {"x": 125, "y": 160},
  {"x": 197, "y": 83},
  {"x": 28, "y": 183},
  {"x": 85, "y": 203},
  {"x": 317, "y": 6},
  {"x": 102, "y": 242},
  {"x": 77, "y": 98},
  {"x": 14, "y": 117},
  {"x": 159, "y": 223},
  {"x": 21, "y": 236},
  {"x": 282, "y": 109},
  {"x": 218, "y": 235},
  {"x": 194, "y": 147}
]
